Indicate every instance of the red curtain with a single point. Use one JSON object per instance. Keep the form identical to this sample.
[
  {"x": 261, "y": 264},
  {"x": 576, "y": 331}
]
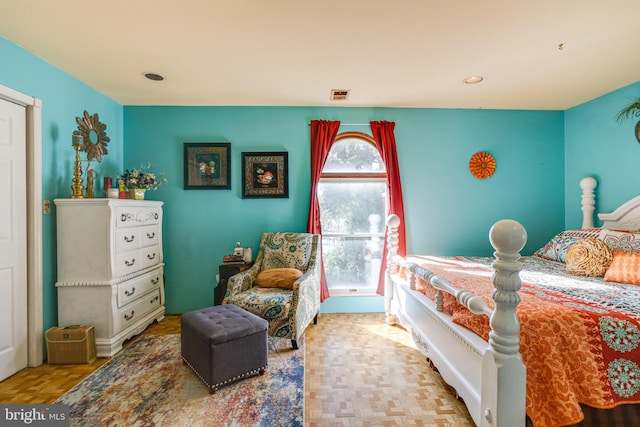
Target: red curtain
[
  {"x": 323, "y": 134},
  {"x": 386, "y": 144}
]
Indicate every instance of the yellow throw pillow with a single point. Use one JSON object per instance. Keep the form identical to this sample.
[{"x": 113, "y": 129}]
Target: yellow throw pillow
[
  {"x": 625, "y": 268},
  {"x": 279, "y": 277},
  {"x": 588, "y": 257}
]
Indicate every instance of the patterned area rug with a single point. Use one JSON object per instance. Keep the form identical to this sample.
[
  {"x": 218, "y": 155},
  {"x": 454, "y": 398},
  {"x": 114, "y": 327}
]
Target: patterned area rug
[{"x": 146, "y": 384}]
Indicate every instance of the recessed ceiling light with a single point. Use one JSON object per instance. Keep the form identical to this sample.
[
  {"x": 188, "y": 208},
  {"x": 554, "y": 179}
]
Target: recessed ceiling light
[
  {"x": 473, "y": 80},
  {"x": 153, "y": 76}
]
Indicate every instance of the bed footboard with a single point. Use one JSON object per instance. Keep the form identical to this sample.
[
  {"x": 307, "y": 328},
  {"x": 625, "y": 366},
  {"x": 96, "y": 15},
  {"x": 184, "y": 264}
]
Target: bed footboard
[{"x": 490, "y": 377}]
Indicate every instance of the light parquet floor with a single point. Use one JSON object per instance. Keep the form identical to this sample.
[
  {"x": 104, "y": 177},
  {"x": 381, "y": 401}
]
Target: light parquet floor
[
  {"x": 358, "y": 372},
  {"x": 46, "y": 383}
]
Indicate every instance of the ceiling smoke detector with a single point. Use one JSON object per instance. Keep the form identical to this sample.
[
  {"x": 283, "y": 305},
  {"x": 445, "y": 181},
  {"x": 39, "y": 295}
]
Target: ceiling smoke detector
[{"x": 339, "y": 94}]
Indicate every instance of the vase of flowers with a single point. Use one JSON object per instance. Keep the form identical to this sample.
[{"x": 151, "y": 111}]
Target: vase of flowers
[
  {"x": 137, "y": 193},
  {"x": 138, "y": 180}
]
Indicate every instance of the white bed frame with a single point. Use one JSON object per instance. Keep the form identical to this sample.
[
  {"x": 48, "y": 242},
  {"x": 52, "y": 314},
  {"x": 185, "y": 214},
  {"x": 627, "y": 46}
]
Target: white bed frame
[{"x": 489, "y": 377}]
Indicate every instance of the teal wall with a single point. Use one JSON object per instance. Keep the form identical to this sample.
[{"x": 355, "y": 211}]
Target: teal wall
[
  {"x": 597, "y": 145},
  {"x": 63, "y": 99},
  {"x": 541, "y": 156},
  {"x": 447, "y": 210}
]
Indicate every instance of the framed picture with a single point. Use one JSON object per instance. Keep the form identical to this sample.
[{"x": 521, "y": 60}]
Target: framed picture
[
  {"x": 207, "y": 165},
  {"x": 265, "y": 175}
]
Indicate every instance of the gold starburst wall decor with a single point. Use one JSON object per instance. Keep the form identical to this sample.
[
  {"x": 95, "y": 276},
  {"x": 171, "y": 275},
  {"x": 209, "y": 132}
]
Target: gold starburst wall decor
[
  {"x": 94, "y": 136},
  {"x": 482, "y": 165}
]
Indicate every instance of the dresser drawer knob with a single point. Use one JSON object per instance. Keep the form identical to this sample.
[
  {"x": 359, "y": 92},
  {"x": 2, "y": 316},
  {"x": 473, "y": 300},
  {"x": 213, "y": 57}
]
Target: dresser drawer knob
[
  {"x": 155, "y": 281},
  {"x": 129, "y": 239},
  {"x": 129, "y": 293},
  {"x": 129, "y": 317},
  {"x": 151, "y": 235},
  {"x": 155, "y": 216},
  {"x": 129, "y": 263},
  {"x": 151, "y": 256},
  {"x": 154, "y": 299}
]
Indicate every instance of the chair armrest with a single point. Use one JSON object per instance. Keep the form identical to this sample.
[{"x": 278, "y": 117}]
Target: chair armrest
[
  {"x": 308, "y": 285},
  {"x": 306, "y": 294},
  {"x": 242, "y": 281}
]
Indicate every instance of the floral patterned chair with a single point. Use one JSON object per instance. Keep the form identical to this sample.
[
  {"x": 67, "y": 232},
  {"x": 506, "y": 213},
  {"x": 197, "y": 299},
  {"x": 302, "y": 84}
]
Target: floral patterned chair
[{"x": 289, "y": 311}]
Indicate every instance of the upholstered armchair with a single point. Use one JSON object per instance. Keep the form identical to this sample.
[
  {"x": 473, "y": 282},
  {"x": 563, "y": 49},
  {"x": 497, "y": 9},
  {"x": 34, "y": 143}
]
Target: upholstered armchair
[{"x": 289, "y": 311}]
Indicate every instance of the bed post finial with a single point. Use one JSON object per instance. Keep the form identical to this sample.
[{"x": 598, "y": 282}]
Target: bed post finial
[
  {"x": 503, "y": 400},
  {"x": 588, "y": 184},
  {"x": 393, "y": 222},
  {"x": 508, "y": 237}
]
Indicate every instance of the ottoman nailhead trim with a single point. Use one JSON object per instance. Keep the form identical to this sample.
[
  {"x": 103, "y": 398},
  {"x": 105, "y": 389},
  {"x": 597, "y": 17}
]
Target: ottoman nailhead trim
[{"x": 227, "y": 381}]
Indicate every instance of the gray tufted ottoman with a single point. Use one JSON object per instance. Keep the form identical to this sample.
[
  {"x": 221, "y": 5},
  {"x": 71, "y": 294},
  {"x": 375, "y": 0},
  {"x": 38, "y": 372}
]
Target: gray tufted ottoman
[{"x": 223, "y": 343}]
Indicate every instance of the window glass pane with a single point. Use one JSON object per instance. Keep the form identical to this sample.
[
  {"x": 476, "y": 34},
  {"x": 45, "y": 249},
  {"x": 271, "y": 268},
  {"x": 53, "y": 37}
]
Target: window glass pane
[
  {"x": 346, "y": 207},
  {"x": 353, "y": 155},
  {"x": 352, "y": 263},
  {"x": 352, "y": 214}
]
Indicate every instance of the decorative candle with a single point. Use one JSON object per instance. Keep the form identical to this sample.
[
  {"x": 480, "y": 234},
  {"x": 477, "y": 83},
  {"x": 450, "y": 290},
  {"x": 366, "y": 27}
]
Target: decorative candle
[{"x": 77, "y": 140}]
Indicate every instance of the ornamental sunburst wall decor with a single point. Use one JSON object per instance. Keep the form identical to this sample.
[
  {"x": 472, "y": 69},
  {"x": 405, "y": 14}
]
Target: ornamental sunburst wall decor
[
  {"x": 482, "y": 165},
  {"x": 94, "y": 136}
]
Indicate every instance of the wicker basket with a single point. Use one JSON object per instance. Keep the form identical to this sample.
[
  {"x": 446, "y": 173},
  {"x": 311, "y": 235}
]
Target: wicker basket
[{"x": 71, "y": 345}]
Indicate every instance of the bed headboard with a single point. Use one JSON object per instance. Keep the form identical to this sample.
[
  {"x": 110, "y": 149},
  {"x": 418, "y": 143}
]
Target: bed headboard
[{"x": 625, "y": 217}]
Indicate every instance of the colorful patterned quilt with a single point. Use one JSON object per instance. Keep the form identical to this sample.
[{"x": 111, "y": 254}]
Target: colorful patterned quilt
[{"x": 579, "y": 337}]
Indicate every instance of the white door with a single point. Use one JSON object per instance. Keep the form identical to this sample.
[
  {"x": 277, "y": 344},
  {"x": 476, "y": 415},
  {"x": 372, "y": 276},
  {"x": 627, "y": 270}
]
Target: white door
[{"x": 13, "y": 239}]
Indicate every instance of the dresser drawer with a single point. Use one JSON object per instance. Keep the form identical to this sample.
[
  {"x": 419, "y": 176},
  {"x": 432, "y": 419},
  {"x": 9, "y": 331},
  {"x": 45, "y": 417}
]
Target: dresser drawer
[
  {"x": 135, "y": 288},
  {"x": 129, "y": 314},
  {"x": 132, "y": 216},
  {"x": 128, "y": 262},
  {"x": 150, "y": 256},
  {"x": 127, "y": 239},
  {"x": 131, "y": 261},
  {"x": 149, "y": 235}
]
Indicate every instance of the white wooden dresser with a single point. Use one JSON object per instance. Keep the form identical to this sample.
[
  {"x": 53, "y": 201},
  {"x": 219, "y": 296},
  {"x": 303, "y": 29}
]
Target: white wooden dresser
[{"x": 110, "y": 267}]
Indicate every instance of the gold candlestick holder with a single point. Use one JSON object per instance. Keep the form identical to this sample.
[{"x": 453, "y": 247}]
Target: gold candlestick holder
[{"x": 77, "y": 186}]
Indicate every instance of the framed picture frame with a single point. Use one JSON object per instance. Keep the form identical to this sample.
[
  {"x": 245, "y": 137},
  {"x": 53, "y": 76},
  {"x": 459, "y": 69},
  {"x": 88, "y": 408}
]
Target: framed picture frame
[
  {"x": 265, "y": 175},
  {"x": 207, "y": 165}
]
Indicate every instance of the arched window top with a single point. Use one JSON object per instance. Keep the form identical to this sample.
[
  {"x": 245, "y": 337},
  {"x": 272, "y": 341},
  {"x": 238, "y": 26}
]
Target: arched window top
[{"x": 353, "y": 153}]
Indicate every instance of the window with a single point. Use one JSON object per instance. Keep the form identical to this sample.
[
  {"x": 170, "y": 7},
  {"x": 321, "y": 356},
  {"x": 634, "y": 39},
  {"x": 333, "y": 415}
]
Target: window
[{"x": 353, "y": 199}]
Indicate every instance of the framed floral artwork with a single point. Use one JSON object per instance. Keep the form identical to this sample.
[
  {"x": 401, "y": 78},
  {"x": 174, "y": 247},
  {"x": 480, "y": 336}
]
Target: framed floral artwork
[
  {"x": 207, "y": 165},
  {"x": 265, "y": 175}
]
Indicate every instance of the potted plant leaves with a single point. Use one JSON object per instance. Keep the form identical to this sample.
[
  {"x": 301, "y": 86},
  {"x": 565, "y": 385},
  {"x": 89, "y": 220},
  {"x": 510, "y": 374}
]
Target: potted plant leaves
[{"x": 630, "y": 111}]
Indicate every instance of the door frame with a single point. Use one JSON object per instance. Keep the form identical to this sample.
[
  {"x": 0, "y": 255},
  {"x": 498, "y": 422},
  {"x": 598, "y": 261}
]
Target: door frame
[{"x": 35, "y": 328}]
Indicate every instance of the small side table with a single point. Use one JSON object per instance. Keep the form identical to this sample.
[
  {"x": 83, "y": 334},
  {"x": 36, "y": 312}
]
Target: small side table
[{"x": 225, "y": 271}]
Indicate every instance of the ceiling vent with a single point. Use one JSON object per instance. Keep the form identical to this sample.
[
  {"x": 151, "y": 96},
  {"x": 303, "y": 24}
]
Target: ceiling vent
[{"x": 339, "y": 94}]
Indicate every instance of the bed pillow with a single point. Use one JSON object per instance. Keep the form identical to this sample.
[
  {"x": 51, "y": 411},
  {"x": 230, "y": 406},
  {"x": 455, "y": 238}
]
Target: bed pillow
[
  {"x": 556, "y": 249},
  {"x": 625, "y": 268},
  {"x": 621, "y": 241},
  {"x": 588, "y": 257},
  {"x": 278, "y": 277}
]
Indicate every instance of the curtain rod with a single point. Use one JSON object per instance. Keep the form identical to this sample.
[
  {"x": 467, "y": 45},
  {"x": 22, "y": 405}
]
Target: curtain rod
[{"x": 351, "y": 124}]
